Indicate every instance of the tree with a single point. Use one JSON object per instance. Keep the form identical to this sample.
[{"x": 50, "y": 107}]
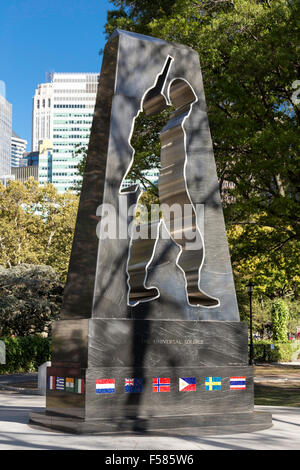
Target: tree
[
  {"x": 30, "y": 299},
  {"x": 250, "y": 57},
  {"x": 37, "y": 225},
  {"x": 80, "y": 151}
]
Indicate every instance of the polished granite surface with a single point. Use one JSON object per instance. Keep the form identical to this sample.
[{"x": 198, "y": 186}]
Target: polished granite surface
[{"x": 101, "y": 339}]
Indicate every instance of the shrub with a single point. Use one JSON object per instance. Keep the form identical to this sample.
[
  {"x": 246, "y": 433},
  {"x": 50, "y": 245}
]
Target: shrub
[
  {"x": 30, "y": 299},
  {"x": 280, "y": 317},
  {"x": 264, "y": 352},
  {"x": 25, "y": 354}
]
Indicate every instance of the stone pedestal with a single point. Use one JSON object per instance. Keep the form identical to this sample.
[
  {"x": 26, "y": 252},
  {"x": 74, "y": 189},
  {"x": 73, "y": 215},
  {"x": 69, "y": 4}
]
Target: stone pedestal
[
  {"x": 209, "y": 355},
  {"x": 42, "y": 378},
  {"x": 2, "y": 353}
]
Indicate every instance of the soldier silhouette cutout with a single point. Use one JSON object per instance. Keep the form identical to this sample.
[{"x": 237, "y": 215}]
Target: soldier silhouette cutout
[{"x": 182, "y": 228}]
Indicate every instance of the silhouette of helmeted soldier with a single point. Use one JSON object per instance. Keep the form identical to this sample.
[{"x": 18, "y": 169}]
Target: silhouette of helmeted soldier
[{"x": 172, "y": 190}]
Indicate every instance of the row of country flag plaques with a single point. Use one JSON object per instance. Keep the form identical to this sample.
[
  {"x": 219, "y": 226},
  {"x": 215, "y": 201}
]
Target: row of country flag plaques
[
  {"x": 163, "y": 384},
  {"x": 66, "y": 384},
  {"x": 135, "y": 385}
]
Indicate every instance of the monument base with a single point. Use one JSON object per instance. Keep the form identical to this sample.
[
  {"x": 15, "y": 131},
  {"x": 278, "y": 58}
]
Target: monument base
[
  {"x": 188, "y": 425},
  {"x": 152, "y": 376}
]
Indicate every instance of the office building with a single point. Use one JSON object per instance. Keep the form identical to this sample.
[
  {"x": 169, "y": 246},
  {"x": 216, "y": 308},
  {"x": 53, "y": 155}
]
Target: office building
[
  {"x": 30, "y": 159},
  {"x": 24, "y": 173},
  {"x": 18, "y": 148},
  {"x": 45, "y": 164},
  {"x": 63, "y": 111},
  {"x": 42, "y": 114},
  {"x": 5, "y": 133}
]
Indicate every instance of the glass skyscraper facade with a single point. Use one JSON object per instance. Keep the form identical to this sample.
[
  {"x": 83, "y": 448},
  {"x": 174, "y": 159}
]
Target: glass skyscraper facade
[
  {"x": 5, "y": 133},
  {"x": 62, "y": 114},
  {"x": 45, "y": 161},
  {"x": 18, "y": 148}
]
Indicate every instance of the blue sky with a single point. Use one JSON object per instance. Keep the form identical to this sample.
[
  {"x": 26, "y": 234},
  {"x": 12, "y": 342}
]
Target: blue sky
[{"x": 39, "y": 36}]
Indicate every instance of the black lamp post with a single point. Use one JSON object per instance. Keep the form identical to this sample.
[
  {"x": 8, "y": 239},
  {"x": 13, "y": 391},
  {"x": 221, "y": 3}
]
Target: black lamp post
[{"x": 250, "y": 286}]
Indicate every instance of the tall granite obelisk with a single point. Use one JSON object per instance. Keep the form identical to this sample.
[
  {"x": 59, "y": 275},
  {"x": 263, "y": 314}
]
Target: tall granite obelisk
[{"x": 149, "y": 338}]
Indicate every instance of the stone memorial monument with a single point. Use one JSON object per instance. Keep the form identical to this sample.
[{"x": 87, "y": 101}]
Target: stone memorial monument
[{"x": 149, "y": 338}]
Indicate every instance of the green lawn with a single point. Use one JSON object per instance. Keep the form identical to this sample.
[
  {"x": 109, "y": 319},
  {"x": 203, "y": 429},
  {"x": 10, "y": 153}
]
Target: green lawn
[
  {"x": 277, "y": 370},
  {"x": 279, "y": 394}
]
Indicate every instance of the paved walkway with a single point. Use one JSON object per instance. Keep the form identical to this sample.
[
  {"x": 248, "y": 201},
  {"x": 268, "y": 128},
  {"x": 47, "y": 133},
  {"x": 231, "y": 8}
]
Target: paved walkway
[
  {"x": 14, "y": 379},
  {"x": 16, "y": 434}
]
